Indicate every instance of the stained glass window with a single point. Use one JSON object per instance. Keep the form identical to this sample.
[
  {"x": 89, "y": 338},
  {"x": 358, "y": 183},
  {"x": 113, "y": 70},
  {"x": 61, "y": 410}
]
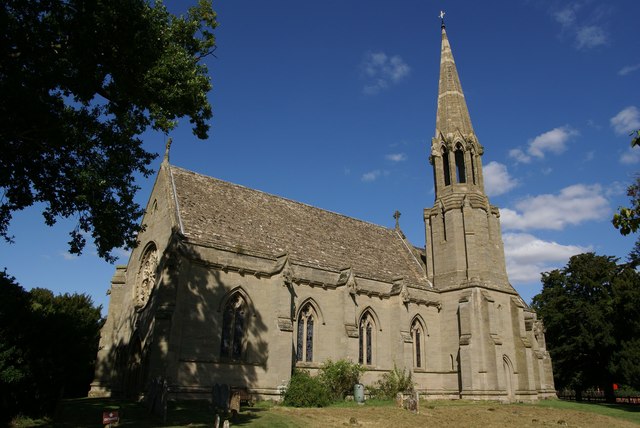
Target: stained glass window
[
  {"x": 365, "y": 348},
  {"x": 417, "y": 333},
  {"x": 233, "y": 328},
  {"x": 304, "y": 349}
]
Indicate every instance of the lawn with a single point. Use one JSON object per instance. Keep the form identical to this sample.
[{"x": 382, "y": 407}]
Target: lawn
[{"x": 87, "y": 412}]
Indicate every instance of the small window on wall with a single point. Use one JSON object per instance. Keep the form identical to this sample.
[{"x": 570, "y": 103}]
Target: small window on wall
[
  {"x": 233, "y": 328},
  {"x": 306, "y": 323},
  {"x": 461, "y": 173},
  {"x": 366, "y": 345}
]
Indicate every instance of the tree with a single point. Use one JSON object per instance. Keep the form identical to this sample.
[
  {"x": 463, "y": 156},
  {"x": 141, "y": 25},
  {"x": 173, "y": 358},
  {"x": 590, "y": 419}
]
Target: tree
[
  {"x": 48, "y": 347},
  {"x": 80, "y": 81},
  {"x": 590, "y": 311},
  {"x": 627, "y": 220}
]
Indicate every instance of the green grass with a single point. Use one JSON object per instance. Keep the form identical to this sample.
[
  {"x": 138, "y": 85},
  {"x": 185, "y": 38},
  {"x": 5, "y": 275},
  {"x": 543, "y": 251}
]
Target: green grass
[
  {"x": 87, "y": 412},
  {"x": 621, "y": 411}
]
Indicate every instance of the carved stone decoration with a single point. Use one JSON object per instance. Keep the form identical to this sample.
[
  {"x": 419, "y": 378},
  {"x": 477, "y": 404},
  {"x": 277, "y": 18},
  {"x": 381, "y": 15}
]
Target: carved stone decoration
[
  {"x": 285, "y": 324},
  {"x": 146, "y": 276},
  {"x": 404, "y": 294},
  {"x": 351, "y": 330}
]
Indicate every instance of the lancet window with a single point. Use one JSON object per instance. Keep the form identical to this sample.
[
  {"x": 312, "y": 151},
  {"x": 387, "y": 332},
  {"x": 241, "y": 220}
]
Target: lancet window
[
  {"x": 473, "y": 168},
  {"x": 445, "y": 166},
  {"x": 306, "y": 324},
  {"x": 461, "y": 173},
  {"x": 418, "y": 336},
  {"x": 366, "y": 345},
  {"x": 233, "y": 327}
]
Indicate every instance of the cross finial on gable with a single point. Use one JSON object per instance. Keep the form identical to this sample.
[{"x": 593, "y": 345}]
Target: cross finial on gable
[
  {"x": 166, "y": 150},
  {"x": 397, "y": 215}
]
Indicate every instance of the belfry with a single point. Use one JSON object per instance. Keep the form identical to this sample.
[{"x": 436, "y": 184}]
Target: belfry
[{"x": 230, "y": 285}]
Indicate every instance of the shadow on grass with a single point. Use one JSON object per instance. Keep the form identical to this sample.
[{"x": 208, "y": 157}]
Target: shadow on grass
[{"x": 87, "y": 412}]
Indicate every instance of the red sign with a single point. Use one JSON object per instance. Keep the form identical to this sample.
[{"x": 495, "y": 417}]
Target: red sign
[{"x": 109, "y": 417}]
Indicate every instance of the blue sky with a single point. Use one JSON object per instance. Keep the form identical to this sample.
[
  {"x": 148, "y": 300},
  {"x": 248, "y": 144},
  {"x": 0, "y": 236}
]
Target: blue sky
[{"x": 333, "y": 104}]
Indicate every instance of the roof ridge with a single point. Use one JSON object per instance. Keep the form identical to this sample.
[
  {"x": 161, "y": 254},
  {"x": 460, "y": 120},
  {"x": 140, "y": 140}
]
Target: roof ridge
[{"x": 386, "y": 229}]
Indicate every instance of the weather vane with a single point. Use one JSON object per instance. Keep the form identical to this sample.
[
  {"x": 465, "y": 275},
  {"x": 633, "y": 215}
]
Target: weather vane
[{"x": 441, "y": 16}]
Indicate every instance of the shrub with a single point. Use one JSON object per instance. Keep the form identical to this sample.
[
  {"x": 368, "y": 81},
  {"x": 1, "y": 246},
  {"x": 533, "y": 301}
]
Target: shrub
[
  {"x": 305, "y": 390},
  {"x": 391, "y": 383},
  {"x": 339, "y": 377}
]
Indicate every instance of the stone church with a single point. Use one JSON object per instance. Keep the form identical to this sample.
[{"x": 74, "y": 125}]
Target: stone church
[{"x": 232, "y": 285}]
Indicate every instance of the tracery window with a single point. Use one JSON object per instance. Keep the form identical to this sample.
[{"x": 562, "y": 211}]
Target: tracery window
[
  {"x": 305, "y": 334},
  {"x": 233, "y": 327},
  {"x": 146, "y": 278},
  {"x": 366, "y": 341},
  {"x": 417, "y": 334},
  {"x": 461, "y": 173}
]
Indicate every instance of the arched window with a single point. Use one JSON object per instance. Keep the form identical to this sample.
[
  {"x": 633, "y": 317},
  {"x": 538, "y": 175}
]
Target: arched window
[
  {"x": 445, "y": 166},
  {"x": 460, "y": 169},
  {"x": 146, "y": 278},
  {"x": 418, "y": 336},
  {"x": 233, "y": 327},
  {"x": 366, "y": 333},
  {"x": 306, "y": 321}
]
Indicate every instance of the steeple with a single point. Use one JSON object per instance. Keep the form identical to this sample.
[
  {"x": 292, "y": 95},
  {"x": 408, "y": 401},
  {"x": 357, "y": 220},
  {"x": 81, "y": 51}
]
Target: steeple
[
  {"x": 463, "y": 241},
  {"x": 455, "y": 151},
  {"x": 453, "y": 114}
]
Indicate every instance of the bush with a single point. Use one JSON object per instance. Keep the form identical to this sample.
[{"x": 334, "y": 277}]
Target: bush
[
  {"x": 339, "y": 377},
  {"x": 305, "y": 390},
  {"x": 391, "y": 383}
]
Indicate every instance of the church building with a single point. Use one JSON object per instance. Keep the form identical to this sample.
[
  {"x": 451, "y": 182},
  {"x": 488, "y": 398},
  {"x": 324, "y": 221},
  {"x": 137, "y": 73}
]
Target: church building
[{"x": 231, "y": 285}]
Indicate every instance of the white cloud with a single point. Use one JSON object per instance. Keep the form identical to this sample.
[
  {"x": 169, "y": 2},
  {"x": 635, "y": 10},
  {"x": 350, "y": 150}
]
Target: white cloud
[
  {"x": 573, "y": 205},
  {"x": 630, "y": 156},
  {"x": 585, "y": 35},
  {"x": 628, "y": 69},
  {"x": 69, "y": 256},
  {"x": 371, "y": 175},
  {"x": 554, "y": 141},
  {"x": 396, "y": 157},
  {"x": 627, "y": 120},
  {"x": 565, "y": 17},
  {"x": 528, "y": 256},
  {"x": 382, "y": 70},
  {"x": 519, "y": 156},
  {"x": 590, "y": 37},
  {"x": 497, "y": 180}
]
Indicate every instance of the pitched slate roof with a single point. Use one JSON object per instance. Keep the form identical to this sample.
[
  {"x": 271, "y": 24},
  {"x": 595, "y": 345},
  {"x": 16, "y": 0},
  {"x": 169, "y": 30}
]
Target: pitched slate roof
[{"x": 229, "y": 215}]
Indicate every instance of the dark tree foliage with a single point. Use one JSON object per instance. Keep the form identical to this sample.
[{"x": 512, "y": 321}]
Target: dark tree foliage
[
  {"x": 48, "y": 347},
  {"x": 80, "y": 81},
  {"x": 627, "y": 219},
  {"x": 591, "y": 311}
]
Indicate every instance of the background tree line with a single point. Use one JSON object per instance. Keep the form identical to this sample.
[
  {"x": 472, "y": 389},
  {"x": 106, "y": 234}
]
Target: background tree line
[
  {"x": 591, "y": 312},
  {"x": 48, "y": 347}
]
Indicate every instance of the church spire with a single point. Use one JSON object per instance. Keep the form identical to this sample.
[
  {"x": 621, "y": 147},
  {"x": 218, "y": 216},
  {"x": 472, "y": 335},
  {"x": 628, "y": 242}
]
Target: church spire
[
  {"x": 455, "y": 151},
  {"x": 452, "y": 108}
]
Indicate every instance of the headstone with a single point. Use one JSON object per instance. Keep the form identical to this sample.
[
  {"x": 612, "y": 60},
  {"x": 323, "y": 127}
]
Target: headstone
[
  {"x": 216, "y": 396},
  {"x": 224, "y": 396},
  {"x": 225, "y": 424},
  {"x": 234, "y": 402},
  {"x": 216, "y": 422},
  {"x": 400, "y": 399}
]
